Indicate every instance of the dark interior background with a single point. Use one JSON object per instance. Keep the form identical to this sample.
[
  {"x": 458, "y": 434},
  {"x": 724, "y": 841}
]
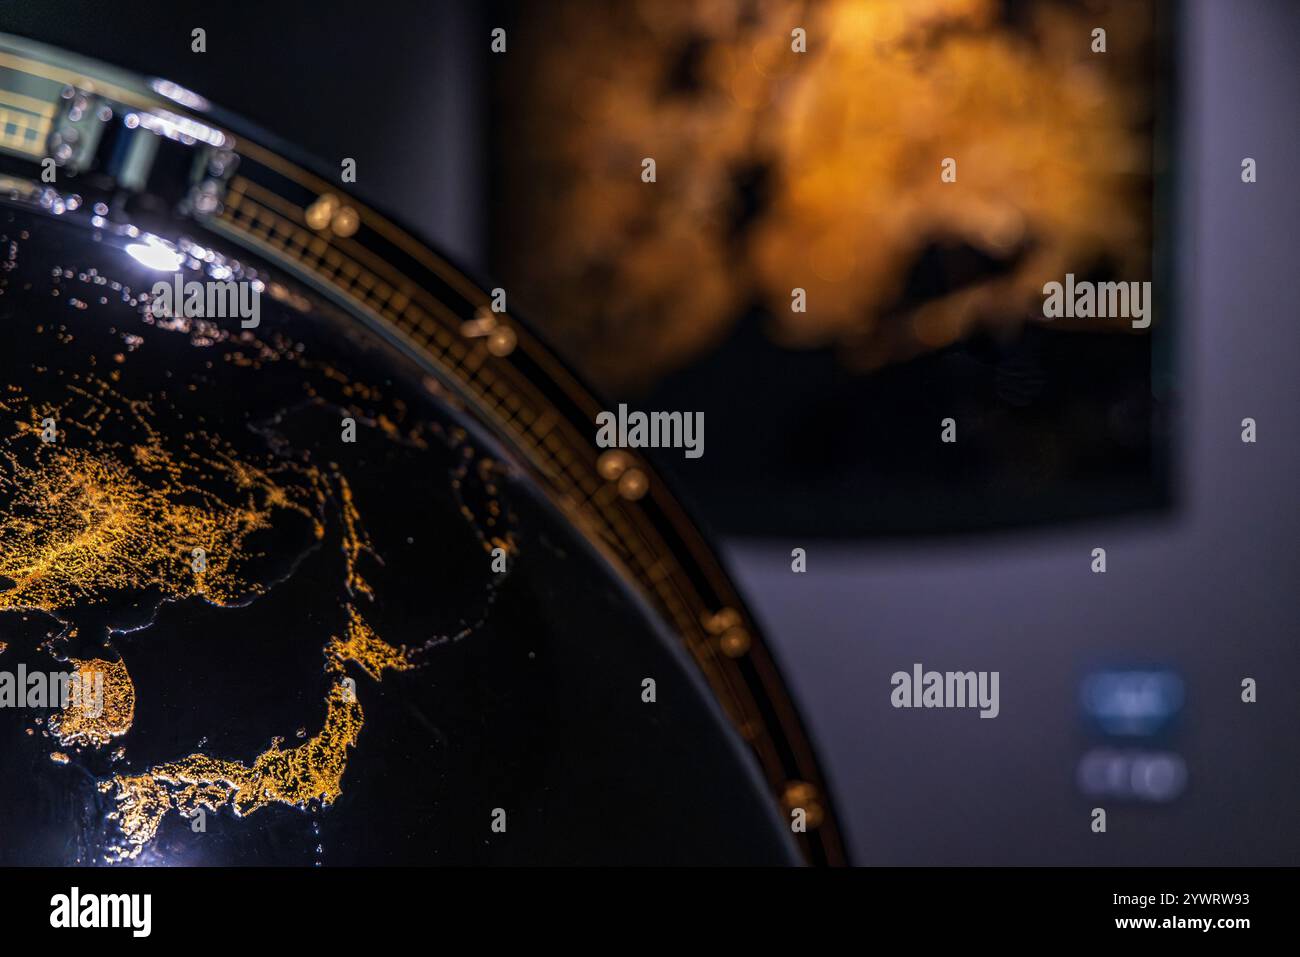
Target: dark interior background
[{"x": 1200, "y": 531}]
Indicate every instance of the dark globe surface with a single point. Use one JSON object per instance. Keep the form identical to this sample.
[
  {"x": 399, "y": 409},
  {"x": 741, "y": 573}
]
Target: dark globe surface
[{"x": 310, "y": 650}]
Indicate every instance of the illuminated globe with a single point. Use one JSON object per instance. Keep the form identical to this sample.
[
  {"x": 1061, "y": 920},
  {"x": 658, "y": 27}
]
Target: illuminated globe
[{"x": 337, "y": 541}]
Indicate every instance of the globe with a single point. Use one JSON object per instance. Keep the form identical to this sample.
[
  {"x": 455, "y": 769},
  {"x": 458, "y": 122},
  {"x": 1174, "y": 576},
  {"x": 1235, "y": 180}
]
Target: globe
[{"x": 351, "y": 579}]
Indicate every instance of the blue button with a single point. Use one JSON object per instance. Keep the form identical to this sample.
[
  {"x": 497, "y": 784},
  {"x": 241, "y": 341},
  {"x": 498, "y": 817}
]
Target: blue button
[{"x": 1132, "y": 703}]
